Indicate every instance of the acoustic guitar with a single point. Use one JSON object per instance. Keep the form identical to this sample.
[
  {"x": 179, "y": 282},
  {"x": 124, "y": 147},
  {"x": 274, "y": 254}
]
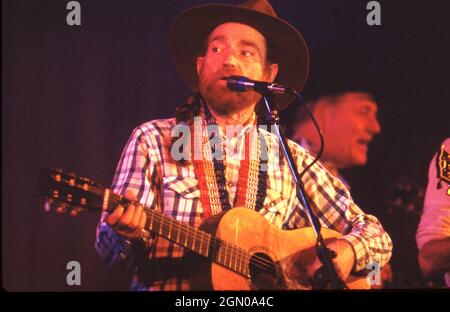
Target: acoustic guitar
[{"x": 236, "y": 250}]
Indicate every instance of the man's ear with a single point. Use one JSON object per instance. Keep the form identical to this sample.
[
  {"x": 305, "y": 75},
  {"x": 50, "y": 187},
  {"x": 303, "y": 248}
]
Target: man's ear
[
  {"x": 199, "y": 64},
  {"x": 272, "y": 72},
  {"x": 322, "y": 113}
]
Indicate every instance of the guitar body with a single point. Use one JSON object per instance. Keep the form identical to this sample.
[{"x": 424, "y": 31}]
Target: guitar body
[
  {"x": 235, "y": 250},
  {"x": 251, "y": 231}
]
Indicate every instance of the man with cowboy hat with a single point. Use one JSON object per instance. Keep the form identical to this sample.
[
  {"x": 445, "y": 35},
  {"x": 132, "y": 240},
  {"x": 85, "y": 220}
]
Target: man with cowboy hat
[
  {"x": 210, "y": 43},
  {"x": 343, "y": 96}
]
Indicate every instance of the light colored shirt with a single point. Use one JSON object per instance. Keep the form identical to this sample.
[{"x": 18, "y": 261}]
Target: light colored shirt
[
  {"x": 307, "y": 146},
  {"x": 435, "y": 221},
  {"x": 147, "y": 168}
]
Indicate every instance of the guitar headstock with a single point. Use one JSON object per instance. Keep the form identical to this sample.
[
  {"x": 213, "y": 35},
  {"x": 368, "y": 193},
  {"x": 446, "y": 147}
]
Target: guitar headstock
[{"x": 67, "y": 189}]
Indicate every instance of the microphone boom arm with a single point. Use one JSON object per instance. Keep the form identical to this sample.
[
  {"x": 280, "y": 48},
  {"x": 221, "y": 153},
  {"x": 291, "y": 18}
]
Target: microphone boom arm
[{"x": 327, "y": 272}]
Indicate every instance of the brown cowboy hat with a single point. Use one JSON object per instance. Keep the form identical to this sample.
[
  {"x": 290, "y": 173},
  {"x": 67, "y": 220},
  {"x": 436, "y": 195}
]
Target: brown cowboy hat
[{"x": 288, "y": 48}]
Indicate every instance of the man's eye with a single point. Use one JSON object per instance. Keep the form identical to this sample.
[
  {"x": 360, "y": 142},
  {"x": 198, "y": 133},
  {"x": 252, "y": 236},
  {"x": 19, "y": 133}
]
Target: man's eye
[
  {"x": 216, "y": 49},
  {"x": 247, "y": 53},
  {"x": 363, "y": 111}
]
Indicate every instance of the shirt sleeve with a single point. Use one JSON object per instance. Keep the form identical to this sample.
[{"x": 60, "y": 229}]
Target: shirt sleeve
[
  {"x": 136, "y": 172},
  {"x": 331, "y": 201},
  {"x": 435, "y": 220}
]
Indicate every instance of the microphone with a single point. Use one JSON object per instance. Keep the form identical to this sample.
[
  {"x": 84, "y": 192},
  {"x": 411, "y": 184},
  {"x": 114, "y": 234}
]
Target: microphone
[{"x": 241, "y": 84}]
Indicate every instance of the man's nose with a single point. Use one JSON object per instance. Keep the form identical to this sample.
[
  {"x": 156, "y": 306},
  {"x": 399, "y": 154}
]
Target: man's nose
[
  {"x": 230, "y": 59},
  {"x": 374, "y": 126}
]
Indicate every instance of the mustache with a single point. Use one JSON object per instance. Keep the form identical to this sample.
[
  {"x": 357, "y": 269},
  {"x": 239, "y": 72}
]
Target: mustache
[{"x": 224, "y": 74}]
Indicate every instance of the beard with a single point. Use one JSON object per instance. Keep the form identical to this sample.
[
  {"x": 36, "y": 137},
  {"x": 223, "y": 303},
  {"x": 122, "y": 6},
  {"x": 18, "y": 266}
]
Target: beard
[{"x": 223, "y": 100}]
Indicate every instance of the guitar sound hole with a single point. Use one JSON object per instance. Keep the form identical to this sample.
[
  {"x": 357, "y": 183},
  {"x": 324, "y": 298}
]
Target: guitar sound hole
[{"x": 263, "y": 271}]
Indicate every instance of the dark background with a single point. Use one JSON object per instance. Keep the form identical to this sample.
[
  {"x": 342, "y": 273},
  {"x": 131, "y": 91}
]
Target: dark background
[{"x": 72, "y": 95}]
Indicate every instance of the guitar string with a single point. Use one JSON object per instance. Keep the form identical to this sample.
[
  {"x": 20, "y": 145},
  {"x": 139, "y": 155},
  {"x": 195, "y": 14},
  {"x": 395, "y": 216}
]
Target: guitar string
[
  {"x": 236, "y": 251},
  {"x": 191, "y": 233},
  {"x": 257, "y": 261}
]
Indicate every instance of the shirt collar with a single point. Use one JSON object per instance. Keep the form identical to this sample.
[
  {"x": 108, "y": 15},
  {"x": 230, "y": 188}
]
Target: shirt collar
[{"x": 243, "y": 129}]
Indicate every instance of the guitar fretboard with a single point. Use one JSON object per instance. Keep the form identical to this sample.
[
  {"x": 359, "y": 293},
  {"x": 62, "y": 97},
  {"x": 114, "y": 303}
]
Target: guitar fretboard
[{"x": 196, "y": 240}]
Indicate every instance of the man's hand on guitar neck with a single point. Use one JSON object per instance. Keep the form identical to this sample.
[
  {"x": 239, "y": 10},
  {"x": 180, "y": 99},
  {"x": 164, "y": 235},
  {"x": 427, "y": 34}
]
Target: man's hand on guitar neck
[
  {"x": 130, "y": 221},
  {"x": 343, "y": 262}
]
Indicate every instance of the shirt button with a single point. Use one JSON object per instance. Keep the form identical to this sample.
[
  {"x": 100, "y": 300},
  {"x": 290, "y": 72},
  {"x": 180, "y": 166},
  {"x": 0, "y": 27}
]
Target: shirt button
[
  {"x": 272, "y": 204},
  {"x": 230, "y": 184}
]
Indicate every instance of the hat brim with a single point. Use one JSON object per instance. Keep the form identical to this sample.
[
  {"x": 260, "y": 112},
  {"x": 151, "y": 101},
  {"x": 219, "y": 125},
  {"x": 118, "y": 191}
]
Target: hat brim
[{"x": 289, "y": 49}]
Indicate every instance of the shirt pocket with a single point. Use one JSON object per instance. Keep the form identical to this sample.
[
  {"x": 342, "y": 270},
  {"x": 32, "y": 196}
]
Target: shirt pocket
[
  {"x": 186, "y": 187},
  {"x": 181, "y": 199},
  {"x": 275, "y": 207}
]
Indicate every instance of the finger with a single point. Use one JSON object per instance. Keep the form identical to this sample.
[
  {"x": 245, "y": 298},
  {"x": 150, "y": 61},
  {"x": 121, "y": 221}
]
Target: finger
[
  {"x": 127, "y": 216},
  {"x": 112, "y": 218},
  {"x": 138, "y": 232},
  {"x": 143, "y": 220},
  {"x": 136, "y": 217}
]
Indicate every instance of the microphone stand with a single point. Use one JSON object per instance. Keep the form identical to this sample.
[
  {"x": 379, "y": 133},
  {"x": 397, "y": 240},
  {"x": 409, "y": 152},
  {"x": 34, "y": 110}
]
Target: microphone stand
[{"x": 325, "y": 255}]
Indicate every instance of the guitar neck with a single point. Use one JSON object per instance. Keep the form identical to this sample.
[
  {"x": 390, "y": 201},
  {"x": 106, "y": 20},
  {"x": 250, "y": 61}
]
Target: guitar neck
[
  {"x": 82, "y": 194},
  {"x": 189, "y": 237},
  {"x": 87, "y": 195}
]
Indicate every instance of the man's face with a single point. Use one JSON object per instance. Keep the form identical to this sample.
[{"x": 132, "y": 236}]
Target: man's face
[
  {"x": 232, "y": 49},
  {"x": 348, "y": 127}
]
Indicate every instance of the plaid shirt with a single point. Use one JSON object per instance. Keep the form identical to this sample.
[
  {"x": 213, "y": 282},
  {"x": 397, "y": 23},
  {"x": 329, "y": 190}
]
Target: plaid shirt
[{"x": 159, "y": 182}]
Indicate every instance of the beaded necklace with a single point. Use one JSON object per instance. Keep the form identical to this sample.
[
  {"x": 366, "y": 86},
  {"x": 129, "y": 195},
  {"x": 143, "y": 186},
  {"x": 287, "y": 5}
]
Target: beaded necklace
[{"x": 210, "y": 171}]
